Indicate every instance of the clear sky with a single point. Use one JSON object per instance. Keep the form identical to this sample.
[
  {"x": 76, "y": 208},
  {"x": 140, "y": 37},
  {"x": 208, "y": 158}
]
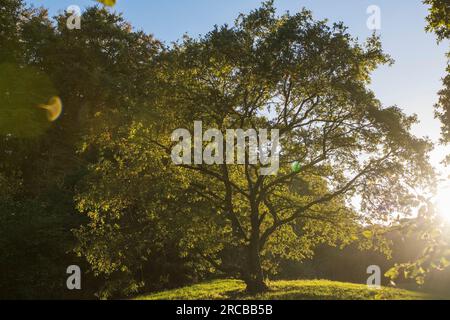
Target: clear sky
[{"x": 412, "y": 83}]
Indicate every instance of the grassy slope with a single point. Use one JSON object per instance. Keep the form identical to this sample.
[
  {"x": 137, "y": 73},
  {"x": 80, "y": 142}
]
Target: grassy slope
[{"x": 286, "y": 290}]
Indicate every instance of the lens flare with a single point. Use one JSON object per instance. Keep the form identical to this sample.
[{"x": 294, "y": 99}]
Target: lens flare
[
  {"x": 296, "y": 167},
  {"x": 109, "y": 3},
  {"x": 22, "y": 90},
  {"x": 54, "y": 108},
  {"x": 442, "y": 202}
]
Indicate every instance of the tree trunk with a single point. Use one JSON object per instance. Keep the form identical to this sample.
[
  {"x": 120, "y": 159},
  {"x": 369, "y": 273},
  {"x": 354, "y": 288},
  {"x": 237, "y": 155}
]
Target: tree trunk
[{"x": 255, "y": 277}]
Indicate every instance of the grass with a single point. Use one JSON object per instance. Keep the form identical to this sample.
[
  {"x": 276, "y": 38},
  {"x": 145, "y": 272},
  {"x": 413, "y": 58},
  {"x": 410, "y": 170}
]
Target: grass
[{"x": 287, "y": 290}]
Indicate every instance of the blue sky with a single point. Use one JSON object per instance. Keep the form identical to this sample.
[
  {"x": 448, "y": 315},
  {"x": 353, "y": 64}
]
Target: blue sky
[{"x": 412, "y": 83}]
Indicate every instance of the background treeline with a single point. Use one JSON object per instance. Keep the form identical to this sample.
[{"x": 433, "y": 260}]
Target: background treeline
[
  {"x": 349, "y": 264},
  {"x": 103, "y": 74},
  {"x": 106, "y": 74}
]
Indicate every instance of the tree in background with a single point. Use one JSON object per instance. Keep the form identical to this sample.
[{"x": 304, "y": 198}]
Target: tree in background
[
  {"x": 102, "y": 73},
  {"x": 36, "y": 211}
]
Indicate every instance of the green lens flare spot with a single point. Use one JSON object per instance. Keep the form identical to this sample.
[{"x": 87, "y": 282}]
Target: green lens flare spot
[
  {"x": 26, "y": 103},
  {"x": 296, "y": 167}
]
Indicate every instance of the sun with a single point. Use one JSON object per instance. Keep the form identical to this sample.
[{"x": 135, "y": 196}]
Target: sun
[{"x": 442, "y": 202}]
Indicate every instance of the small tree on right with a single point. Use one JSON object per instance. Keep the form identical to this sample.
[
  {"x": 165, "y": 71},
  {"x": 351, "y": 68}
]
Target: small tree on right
[{"x": 439, "y": 23}]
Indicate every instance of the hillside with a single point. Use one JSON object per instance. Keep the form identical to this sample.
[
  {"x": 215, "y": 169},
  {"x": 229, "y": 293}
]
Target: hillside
[{"x": 286, "y": 290}]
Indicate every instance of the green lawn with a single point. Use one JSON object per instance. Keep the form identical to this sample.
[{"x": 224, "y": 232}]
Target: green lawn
[{"x": 286, "y": 290}]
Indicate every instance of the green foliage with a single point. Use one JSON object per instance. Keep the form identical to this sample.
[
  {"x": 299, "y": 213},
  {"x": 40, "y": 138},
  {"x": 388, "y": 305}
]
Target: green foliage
[
  {"x": 439, "y": 18},
  {"x": 139, "y": 223},
  {"x": 433, "y": 233},
  {"x": 39, "y": 171},
  {"x": 35, "y": 238},
  {"x": 10, "y": 13},
  {"x": 443, "y": 109},
  {"x": 439, "y": 23}
]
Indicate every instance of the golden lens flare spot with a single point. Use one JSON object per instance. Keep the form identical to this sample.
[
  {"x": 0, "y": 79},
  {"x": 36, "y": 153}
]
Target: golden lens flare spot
[
  {"x": 109, "y": 3},
  {"x": 54, "y": 108}
]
